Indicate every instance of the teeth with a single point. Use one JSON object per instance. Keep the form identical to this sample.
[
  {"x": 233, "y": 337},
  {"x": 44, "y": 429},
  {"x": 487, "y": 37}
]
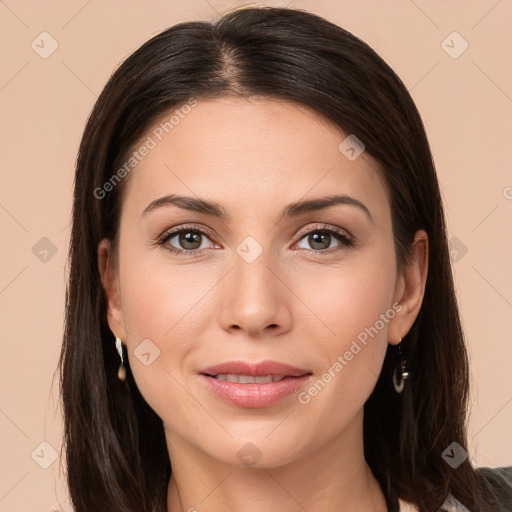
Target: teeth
[{"x": 248, "y": 379}]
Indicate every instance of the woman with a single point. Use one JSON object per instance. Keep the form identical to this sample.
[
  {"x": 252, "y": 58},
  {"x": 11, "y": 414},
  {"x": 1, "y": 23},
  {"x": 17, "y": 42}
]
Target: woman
[{"x": 260, "y": 311}]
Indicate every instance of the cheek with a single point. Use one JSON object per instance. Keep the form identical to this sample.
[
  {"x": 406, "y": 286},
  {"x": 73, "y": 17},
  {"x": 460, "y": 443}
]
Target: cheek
[
  {"x": 165, "y": 308},
  {"x": 163, "y": 298},
  {"x": 349, "y": 298},
  {"x": 352, "y": 308}
]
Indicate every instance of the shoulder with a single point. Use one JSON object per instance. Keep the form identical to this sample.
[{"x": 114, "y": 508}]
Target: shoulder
[{"x": 500, "y": 480}]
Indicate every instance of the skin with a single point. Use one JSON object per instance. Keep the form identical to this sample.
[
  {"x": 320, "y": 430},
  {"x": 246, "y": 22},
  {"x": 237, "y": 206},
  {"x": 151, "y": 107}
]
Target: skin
[{"x": 297, "y": 303}]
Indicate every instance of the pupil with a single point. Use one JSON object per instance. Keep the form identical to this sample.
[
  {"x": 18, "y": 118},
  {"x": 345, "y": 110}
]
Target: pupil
[
  {"x": 320, "y": 238},
  {"x": 190, "y": 238}
]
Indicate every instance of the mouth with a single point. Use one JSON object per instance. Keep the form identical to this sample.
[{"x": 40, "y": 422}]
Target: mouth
[
  {"x": 248, "y": 379},
  {"x": 254, "y": 385}
]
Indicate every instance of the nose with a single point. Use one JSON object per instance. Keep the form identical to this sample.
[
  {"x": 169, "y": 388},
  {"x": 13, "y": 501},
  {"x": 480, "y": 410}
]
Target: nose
[{"x": 255, "y": 298}]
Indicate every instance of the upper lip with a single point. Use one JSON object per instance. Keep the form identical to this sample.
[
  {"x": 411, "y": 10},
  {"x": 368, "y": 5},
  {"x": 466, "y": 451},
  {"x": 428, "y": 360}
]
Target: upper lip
[{"x": 260, "y": 369}]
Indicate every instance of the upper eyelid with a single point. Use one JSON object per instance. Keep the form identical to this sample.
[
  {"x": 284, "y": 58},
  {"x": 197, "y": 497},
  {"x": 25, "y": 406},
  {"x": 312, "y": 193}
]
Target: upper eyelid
[
  {"x": 169, "y": 233},
  {"x": 324, "y": 227}
]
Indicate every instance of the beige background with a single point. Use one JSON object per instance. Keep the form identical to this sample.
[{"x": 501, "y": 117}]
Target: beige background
[{"x": 466, "y": 104}]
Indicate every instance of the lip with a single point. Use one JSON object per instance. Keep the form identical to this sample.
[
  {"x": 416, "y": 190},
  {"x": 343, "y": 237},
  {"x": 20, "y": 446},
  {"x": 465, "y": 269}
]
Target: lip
[
  {"x": 255, "y": 369},
  {"x": 253, "y": 396}
]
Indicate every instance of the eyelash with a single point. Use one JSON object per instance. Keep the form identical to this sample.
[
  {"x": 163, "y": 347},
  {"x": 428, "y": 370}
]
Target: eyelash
[{"x": 339, "y": 234}]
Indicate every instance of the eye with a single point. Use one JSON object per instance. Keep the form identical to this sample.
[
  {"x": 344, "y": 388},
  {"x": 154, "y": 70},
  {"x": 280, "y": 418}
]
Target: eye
[
  {"x": 321, "y": 239},
  {"x": 191, "y": 240},
  {"x": 185, "y": 240}
]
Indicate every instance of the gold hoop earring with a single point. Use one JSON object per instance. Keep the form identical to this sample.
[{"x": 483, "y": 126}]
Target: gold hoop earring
[
  {"x": 401, "y": 370},
  {"x": 121, "y": 373}
]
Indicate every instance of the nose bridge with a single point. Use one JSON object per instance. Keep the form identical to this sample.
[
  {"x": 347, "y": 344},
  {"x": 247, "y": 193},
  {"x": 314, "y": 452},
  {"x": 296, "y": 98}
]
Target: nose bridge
[
  {"x": 254, "y": 298},
  {"x": 252, "y": 276}
]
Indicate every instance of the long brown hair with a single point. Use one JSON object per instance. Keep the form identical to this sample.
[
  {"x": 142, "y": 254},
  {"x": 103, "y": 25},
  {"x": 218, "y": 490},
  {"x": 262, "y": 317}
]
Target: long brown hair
[{"x": 115, "y": 446}]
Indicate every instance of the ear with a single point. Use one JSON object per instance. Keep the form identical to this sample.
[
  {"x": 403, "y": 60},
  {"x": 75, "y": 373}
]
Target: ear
[
  {"x": 410, "y": 289},
  {"x": 110, "y": 283}
]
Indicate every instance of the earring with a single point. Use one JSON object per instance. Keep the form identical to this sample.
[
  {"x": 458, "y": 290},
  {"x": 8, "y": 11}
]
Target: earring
[
  {"x": 400, "y": 369},
  {"x": 121, "y": 373}
]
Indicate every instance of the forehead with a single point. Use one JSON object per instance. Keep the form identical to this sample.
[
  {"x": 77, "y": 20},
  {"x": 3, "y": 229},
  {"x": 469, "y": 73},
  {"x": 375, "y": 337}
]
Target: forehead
[{"x": 247, "y": 153}]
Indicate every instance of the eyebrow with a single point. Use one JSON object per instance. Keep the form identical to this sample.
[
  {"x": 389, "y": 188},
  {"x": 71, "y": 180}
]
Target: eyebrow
[{"x": 292, "y": 210}]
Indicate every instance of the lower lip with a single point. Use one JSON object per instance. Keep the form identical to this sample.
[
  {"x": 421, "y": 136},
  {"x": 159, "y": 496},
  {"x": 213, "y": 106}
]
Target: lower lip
[{"x": 253, "y": 396}]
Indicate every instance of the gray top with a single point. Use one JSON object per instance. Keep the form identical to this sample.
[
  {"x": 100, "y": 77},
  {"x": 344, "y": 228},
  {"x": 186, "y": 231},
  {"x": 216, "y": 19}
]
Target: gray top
[{"x": 500, "y": 480}]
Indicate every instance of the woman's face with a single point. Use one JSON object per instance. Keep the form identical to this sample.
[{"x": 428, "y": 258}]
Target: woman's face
[{"x": 267, "y": 281}]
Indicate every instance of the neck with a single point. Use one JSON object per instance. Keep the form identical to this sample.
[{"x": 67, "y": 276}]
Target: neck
[{"x": 333, "y": 477}]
